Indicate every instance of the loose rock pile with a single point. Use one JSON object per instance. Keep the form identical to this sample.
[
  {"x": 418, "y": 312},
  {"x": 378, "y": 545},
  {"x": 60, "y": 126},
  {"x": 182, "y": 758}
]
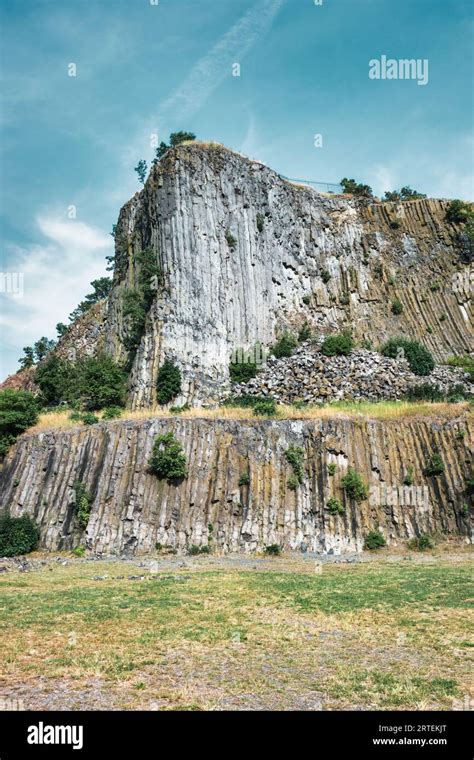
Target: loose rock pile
[{"x": 310, "y": 376}]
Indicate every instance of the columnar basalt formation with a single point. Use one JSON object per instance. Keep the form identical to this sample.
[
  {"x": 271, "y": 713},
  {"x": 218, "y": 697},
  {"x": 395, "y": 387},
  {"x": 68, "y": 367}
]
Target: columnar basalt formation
[
  {"x": 245, "y": 254},
  {"x": 132, "y": 510}
]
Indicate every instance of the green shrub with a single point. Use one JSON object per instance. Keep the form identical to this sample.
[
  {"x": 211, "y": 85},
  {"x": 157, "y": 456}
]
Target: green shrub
[
  {"x": 294, "y": 456},
  {"x": 354, "y": 486},
  {"x": 82, "y": 504},
  {"x": 335, "y": 506},
  {"x": 18, "y": 535},
  {"x": 304, "y": 333},
  {"x": 231, "y": 240},
  {"x": 397, "y": 306},
  {"x": 332, "y": 467},
  {"x": 408, "y": 480},
  {"x": 458, "y": 212},
  {"x": 424, "y": 392},
  {"x": 168, "y": 459},
  {"x": 260, "y": 222},
  {"x": 293, "y": 482},
  {"x": 307, "y": 299},
  {"x": 265, "y": 408},
  {"x": 435, "y": 286},
  {"x": 193, "y": 550},
  {"x": 134, "y": 312},
  {"x": 168, "y": 383},
  {"x": 90, "y": 419},
  {"x": 179, "y": 409},
  {"x": 325, "y": 276},
  {"x": 420, "y": 543},
  {"x": 242, "y": 372},
  {"x": 435, "y": 466},
  {"x": 274, "y": 550},
  {"x": 244, "y": 402},
  {"x": 338, "y": 345},
  {"x": 463, "y": 362},
  {"x": 374, "y": 540},
  {"x": 244, "y": 479},
  {"x": 112, "y": 412},
  {"x": 18, "y": 412},
  {"x": 79, "y": 551},
  {"x": 75, "y": 416},
  {"x": 344, "y": 299},
  {"x": 395, "y": 224},
  {"x": 284, "y": 346},
  {"x": 418, "y": 357}
]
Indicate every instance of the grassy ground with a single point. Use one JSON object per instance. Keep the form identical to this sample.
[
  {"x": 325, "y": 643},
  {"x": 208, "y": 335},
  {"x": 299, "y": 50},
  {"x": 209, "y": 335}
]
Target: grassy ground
[
  {"x": 383, "y": 410},
  {"x": 242, "y": 634}
]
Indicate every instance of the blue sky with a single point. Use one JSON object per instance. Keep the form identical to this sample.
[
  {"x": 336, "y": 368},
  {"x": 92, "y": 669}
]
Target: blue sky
[{"x": 144, "y": 69}]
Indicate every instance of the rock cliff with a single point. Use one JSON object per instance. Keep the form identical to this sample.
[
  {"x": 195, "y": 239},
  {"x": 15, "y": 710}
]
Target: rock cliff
[
  {"x": 132, "y": 511},
  {"x": 244, "y": 254}
]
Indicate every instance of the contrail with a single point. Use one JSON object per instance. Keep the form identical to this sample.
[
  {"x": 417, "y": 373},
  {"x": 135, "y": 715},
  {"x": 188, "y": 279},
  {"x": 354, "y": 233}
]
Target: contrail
[{"x": 212, "y": 69}]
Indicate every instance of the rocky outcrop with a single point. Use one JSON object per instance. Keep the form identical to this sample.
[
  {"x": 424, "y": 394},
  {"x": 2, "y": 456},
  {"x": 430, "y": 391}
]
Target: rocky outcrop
[
  {"x": 245, "y": 254},
  {"x": 132, "y": 511},
  {"x": 311, "y": 377}
]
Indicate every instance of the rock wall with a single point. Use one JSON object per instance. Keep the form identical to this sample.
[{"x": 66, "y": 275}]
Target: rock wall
[
  {"x": 132, "y": 510},
  {"x": 245, "y": 254}
]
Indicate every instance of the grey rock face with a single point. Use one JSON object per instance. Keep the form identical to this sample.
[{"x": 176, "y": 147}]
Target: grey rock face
[
  {"x": 245, "y": 254},
  {"x": 131, "y": 510}
]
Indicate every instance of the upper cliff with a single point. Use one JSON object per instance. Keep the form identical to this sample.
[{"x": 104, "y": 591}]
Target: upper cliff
[{"x": 242, "y": 254}]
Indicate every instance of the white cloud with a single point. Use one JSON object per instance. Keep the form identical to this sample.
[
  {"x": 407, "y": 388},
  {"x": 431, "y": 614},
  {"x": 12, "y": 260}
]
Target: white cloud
[
  {"x": 382, "y": 178},
  {"x": 55, "y": 275}
]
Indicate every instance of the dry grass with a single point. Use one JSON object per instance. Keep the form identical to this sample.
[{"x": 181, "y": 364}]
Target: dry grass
[
  {"x": 389, "y": 410},
  {"x": 377, "y": 635}
]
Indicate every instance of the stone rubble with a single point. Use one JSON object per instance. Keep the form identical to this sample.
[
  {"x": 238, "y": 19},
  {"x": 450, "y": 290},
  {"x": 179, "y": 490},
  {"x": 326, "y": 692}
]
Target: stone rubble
[{"x": 311, "y": 377}]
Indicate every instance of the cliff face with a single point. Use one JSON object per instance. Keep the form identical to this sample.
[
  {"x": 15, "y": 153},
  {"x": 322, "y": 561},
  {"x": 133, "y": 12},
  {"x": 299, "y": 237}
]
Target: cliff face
[
  {"x": 132, "y": 510},
  {"x": 245, "y": 254}
]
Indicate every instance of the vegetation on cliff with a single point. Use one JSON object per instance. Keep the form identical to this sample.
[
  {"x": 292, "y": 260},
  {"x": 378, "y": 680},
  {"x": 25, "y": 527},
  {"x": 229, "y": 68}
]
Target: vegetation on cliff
[{"x": 18, "y": 411}]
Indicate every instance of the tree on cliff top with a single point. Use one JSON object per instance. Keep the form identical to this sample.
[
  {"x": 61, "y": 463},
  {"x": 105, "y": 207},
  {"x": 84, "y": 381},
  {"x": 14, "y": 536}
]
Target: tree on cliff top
[
  {"x": 352, "y": 187},
  {"x": 176, "y": 138}
]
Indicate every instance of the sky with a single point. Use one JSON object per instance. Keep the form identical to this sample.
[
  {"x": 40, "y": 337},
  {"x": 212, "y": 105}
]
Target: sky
[{"x": 69, "y": 144}]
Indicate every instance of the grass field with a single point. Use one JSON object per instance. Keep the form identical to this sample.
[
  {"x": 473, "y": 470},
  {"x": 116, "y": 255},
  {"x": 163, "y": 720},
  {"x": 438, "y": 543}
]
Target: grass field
[
  {"x": 382, "y": 410},
  {"x": 277, "y": 634}
]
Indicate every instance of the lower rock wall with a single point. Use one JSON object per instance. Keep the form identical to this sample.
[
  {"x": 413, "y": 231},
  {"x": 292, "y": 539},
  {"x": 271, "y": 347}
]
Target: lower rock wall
[{"x": 132, "y": 510}]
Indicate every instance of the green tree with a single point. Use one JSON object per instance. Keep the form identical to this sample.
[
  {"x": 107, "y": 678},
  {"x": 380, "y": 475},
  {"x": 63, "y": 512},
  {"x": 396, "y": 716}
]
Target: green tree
[
  {"x": 61, "y": 329},
  {"x": 176, "y": 138},
  {"x": 405, "y": 194},
  {"x": 101, "y": 289},
  {"x": 28, "y": 359},
  {"x": 99, "y": 383},
  {"x": 352, "y": 187},
  {"x": 18, "y": 411},
  {"x": 42, "y": 347},
  {"x": 168, "y": 384},
  {"x": 141, "y": 170},
  {"x": 18, "y": 535},
  {"x": 168, "y": 459}
]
